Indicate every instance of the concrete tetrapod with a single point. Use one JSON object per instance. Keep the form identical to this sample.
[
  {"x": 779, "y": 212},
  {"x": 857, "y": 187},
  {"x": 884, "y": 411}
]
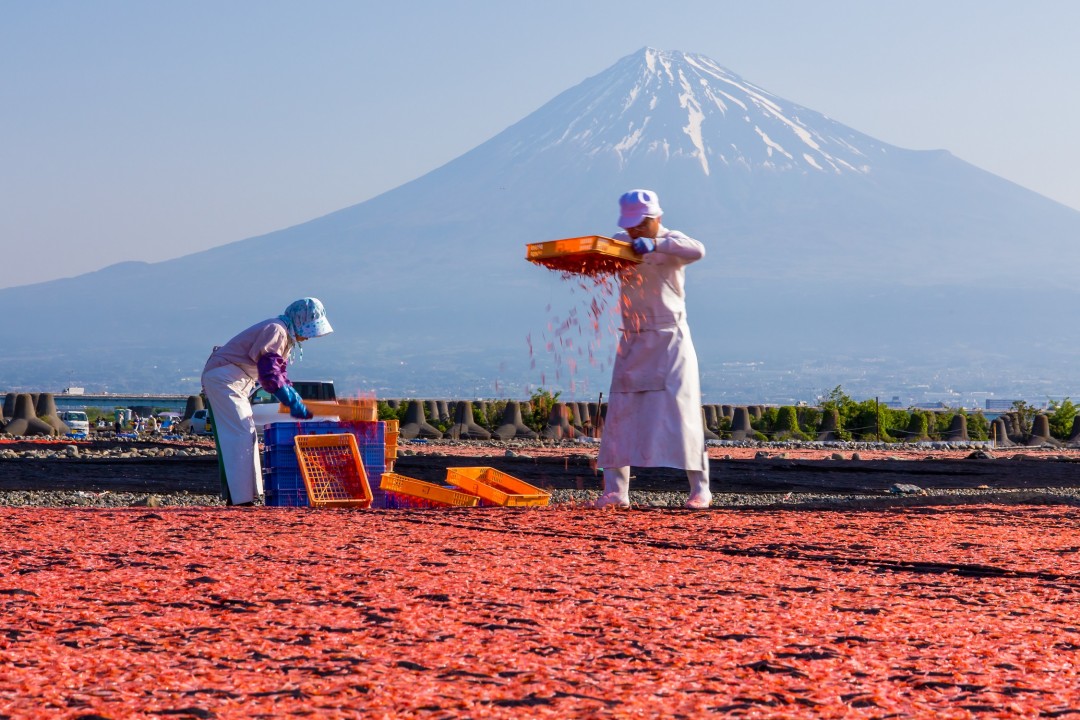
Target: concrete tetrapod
[
  {"x": 1074, "y": 436},
  {"x": 709, "y": 434},
  {"x": 9, "y": 406},
  {"x": 1000, "y": 433},
  {"x": 415, "y": 424},
  {"x": 1040, "y": 433},
  {"x": 712, "y": 421},
  {"x": 432, "y": 409},
  {"x": 740, "y": 424},
  {"x": 957, "y": 431},
  {"x": 830, "y": 426},
  {"x": 512, "y": 425},
  {"x": 45, "y": 407},
  {"x": 193, "y": 405},
  {"x": 444, "y": 411},
  {"x": 23, "y": 420},
  {"x": 558, "y": 427},
  {"x": 580, "y": 418},
  {"x": 465, "y": 427},
  {"x": 1013, "y": 428}
]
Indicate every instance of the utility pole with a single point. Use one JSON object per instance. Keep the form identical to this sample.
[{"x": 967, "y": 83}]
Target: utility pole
[{"x": 877, "y": 419}]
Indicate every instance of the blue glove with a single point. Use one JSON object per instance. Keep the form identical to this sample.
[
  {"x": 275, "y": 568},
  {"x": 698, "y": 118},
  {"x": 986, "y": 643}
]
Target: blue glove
[
  {"x": 289, "y": 397},
  {"x": 644, "y": 245}
]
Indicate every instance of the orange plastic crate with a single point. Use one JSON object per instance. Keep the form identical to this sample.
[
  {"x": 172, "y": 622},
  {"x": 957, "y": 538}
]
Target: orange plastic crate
[
  {"x": 587, "y": 255},
  {"x": 333, "y": 471},
  {"x": 427, "y": 493},
  {"x": 496, "y": 486},
  {"x": 354, "y": 411}
]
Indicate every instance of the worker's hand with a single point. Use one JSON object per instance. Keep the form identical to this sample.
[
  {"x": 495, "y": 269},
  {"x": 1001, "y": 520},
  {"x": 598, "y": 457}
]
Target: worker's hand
[
  {"x": 300, "y": 411},
  {"x": 644, "y": 245},
  {"x": 288, "y": 396}
]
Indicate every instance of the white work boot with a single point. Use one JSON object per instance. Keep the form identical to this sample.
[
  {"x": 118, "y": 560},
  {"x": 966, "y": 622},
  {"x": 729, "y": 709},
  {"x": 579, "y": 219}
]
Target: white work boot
[
  {"x": 616, "y": 488},
  {"x": 700, "y": 495}
]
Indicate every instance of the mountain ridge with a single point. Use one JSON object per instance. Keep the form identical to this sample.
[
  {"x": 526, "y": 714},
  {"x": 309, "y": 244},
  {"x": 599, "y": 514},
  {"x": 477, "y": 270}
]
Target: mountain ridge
[{"x": 431, "y": 273}]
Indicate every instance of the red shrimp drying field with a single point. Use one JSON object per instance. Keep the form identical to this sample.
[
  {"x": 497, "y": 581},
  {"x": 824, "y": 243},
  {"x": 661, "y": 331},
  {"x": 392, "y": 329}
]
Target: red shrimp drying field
[{"x": 553, "y": 612}]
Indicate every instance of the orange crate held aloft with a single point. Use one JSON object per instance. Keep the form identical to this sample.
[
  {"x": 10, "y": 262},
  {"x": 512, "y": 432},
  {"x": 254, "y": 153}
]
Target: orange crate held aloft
[
  {"x": 333, "y": 470},
  {"x": 428, "y": 494},
  {"x": 496, "y": 486},
  {"x": 587, "y": 255}
]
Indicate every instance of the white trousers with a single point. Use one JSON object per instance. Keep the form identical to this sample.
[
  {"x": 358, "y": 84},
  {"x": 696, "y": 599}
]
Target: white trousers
[{"x": 228, "y": 388}]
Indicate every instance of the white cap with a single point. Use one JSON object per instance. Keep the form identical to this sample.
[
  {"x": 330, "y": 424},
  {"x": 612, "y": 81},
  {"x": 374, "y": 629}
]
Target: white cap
[{"x": 637, "y": 205}]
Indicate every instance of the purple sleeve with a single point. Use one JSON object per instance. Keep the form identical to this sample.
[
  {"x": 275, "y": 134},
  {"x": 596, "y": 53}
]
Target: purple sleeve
[{"x": 272, "y": 375}]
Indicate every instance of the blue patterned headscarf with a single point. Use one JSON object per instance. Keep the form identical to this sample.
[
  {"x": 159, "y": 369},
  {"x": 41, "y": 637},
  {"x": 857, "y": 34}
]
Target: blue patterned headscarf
[{"x": 305, "y": 318}]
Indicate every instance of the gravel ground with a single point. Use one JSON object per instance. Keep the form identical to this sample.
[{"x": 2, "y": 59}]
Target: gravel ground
[
  {"x": 655, "y": 499},
  {"x": 55, "y": 455}
]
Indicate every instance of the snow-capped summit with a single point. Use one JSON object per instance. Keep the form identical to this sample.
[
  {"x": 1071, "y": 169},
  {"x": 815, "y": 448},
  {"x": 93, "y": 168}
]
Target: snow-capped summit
[{"x": 684, "y": 106}]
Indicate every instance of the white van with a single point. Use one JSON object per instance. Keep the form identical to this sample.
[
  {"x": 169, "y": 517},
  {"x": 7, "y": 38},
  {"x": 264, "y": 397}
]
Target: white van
[
  {"x": 200, "y": 423},
  {"x": 76, "y": 420}
]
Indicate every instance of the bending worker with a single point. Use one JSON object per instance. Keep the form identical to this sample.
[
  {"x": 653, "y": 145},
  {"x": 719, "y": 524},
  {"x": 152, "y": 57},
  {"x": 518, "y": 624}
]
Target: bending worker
[
  {"x": 654, "y": 414},
  {"x": 260, "y": 352}
]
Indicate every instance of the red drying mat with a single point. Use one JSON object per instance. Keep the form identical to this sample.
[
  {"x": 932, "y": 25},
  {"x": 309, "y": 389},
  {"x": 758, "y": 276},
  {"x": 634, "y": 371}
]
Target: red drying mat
[
  {"x": 333, "y": 471},
  {"x": 588, "y": 255}
]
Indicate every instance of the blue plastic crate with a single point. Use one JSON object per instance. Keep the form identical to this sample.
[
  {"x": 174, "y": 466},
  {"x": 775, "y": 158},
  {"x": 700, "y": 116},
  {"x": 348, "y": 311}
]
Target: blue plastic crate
[
  {"x": 282, "y": 481},
  {"x": 284, "y": 487},
  {"x": 282, "y": 433},
  {"x": 365, "y": 432},
  {"x": 288, "y": 498}
]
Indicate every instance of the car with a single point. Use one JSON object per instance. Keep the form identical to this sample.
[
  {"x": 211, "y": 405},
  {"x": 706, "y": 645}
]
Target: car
[
  {"x": 200, "y": 422},
  {"x": 76, "y": 420},
  {"x": 266, "y": 409}
]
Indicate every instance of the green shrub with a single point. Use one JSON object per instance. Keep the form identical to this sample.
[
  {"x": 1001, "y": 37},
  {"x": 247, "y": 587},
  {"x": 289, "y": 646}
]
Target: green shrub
[
  {"x": 917, "y": 427},
  {"x": 978, "y": 426},
  {"x": 539, "y": 409},
  {"x": 787, "y": 425},
  {"x": 1061, "y": 418}
]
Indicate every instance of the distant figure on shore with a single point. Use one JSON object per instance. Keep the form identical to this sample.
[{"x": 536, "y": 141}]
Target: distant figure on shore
[
  {"x": 654, "y": 414},
  {"x": 258, "y": 353}
]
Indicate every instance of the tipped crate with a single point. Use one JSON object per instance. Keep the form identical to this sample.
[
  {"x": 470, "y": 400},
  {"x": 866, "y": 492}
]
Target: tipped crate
[
  {"x": 333, "y": 472},
  {"x": 407, "y": 492},
  {"x": 496, "y": 486}
]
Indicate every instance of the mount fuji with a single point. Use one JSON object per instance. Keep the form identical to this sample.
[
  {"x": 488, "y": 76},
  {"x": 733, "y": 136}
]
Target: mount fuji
[{"x": 833, "y": 258}]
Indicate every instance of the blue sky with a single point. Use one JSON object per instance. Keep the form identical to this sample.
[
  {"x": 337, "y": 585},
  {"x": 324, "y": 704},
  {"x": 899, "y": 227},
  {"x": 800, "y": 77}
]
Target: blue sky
[{"x": 145, "y": 130}]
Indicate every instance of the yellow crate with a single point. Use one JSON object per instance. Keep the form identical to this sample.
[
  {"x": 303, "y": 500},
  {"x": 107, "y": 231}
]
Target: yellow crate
[
  {"x": 589, "y": 255},
  {"x": 333, "y": 471},
  {"x": 428, "y": 492},
  {"x": 390, "y": 437},
  {"x": 496, "y": 486}
]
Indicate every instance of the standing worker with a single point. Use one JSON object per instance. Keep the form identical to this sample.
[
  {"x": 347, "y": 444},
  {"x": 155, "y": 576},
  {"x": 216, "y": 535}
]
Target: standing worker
[
  {"x": 654, "y": 407},
  {"x": 260, "y": 352}
]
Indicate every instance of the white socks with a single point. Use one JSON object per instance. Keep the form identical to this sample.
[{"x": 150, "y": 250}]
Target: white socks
[
  {"x": 616, "y": 488},
  {"x": 700, "y": 495}
]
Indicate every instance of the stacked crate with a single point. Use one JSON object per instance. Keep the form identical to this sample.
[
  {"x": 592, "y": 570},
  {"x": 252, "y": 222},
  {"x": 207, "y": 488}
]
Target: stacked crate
[{"x": 283, "y": 482}]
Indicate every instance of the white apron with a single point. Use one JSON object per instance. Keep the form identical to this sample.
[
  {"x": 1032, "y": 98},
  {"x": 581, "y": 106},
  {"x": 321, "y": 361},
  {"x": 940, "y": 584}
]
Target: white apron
[
  {"x": 227, "y": 388},
  {"x": 654, "y": 414}
]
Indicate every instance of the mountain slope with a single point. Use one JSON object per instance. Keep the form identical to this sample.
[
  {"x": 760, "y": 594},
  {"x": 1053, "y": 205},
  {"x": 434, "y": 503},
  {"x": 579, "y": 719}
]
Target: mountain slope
[{"x": 805, "y": 220}]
